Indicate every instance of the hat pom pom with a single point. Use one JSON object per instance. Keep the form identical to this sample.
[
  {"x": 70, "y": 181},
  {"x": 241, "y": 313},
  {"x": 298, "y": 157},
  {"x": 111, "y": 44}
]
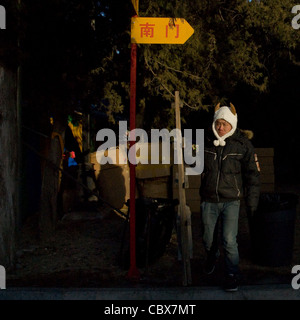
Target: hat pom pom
[
  {"x": 216, "y": 143},
  {"x": 219, "y": 143},
  {"x": 222, "y": 143}
]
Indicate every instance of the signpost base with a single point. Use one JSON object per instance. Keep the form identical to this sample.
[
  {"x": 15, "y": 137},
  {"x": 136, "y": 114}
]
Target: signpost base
[{"x": 134, "y": 274}]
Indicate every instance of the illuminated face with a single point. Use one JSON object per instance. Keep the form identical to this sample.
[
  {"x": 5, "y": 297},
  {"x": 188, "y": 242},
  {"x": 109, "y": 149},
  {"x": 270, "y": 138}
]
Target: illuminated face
[{"x": 222, "y": 127}]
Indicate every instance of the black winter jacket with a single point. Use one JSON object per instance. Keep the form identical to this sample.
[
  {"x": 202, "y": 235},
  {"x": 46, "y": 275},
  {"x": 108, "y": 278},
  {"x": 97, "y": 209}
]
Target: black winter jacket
[{"x": 230, "y": 172}]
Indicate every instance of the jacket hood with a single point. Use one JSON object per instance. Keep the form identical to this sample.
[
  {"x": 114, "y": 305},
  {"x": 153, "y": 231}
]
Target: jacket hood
[{"x": 228, "y": 114}]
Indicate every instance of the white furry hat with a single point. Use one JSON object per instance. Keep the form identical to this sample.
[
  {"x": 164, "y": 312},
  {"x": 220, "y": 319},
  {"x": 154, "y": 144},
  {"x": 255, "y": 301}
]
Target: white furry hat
[{"x": 228, "y": 114}]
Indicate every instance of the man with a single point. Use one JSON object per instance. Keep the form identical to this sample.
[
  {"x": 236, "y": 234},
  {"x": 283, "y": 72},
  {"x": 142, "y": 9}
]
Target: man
[{"x": 230, "y": 172}]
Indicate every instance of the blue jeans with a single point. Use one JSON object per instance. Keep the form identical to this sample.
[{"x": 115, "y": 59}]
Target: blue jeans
[{"x": 228, "y": 214}]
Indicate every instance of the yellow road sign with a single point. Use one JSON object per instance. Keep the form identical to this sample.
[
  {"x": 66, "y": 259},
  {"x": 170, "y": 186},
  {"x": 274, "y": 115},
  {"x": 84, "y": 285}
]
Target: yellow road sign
[
  {"x": 135, "y": 4},
  {"x": 160, "y": 30}
]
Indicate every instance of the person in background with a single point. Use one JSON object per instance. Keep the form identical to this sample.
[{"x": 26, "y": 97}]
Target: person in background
[{"x": 230, "y": 173}]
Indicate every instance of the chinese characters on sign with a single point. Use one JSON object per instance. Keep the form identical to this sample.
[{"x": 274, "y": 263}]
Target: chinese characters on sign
[
  {"x": 160, "y": 30},
  {"x": 176, "y": 28},
  {"x": 147, "y": 30}
]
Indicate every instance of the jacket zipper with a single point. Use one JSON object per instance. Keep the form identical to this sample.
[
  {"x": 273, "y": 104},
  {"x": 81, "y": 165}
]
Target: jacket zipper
[
  {"x": 232, "y": 154},
  {"x": 218, "y": 177}
]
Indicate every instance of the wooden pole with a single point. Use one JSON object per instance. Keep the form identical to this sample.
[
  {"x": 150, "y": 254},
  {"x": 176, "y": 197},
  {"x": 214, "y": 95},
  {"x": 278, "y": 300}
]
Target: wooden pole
[{"x": 182, "y": 212}]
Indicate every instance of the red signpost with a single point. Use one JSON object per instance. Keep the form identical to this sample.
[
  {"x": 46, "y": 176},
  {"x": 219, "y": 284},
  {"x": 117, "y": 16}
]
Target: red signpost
[
  {"x": 133, "y": 272},
  {"x": 140, "y": 35}
]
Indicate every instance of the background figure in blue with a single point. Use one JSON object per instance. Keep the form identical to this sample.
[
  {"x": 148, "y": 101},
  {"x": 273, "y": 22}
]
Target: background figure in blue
[
  {"x": 72, "y": 159},
  {"x": 230, "y": 173}
]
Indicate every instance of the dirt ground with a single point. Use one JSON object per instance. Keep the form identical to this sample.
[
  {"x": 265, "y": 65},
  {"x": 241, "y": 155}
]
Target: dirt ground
[{"x": 86, "y": 252}]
